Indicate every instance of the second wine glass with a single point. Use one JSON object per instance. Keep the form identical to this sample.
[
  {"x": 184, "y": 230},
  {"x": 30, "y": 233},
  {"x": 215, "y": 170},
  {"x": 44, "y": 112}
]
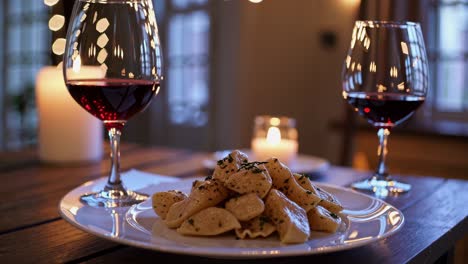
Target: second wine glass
[
  {"x": 385, "y": 79},
  {"x": 112, "y": 68}
]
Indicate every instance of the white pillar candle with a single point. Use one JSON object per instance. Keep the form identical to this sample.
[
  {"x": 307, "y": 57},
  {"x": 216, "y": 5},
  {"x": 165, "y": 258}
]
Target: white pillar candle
[
  {"x": 67, "y": 133},
  {"x": 275, "y": 146}
]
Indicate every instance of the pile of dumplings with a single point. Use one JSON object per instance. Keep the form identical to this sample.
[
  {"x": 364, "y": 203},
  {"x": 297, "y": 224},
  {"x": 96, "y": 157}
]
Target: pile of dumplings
[{"x": 254, "y": 199}]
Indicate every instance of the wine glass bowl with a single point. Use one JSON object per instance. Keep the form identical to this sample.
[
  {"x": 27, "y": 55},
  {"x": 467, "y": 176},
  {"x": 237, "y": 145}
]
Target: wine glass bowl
[
  {"x": 113, "y": 68},
  {"x": 385, "y": 79}
]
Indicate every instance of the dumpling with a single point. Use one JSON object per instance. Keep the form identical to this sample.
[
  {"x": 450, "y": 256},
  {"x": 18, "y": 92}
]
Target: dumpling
[
  {"x": 304, "y": 182},
  {"x": 245, "y": 207},
  {"x": 252, "y": 178},
  {"x": 229, "y": 165},
  {"x": 327, "y": 200},
  {"x": 209, "y": 222},
  {"x": 162, "y": 201},
  {"x": 284, "y": 181},
  {"x": 260, "y": 226},
  {"x": 206, "y": 194},
  {"x": 320, "y": 219},
  {"x": 290, "y": 219}
]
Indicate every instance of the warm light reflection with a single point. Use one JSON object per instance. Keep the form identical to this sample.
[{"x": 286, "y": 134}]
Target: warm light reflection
[
  {"x": 74, "y": 210},
  {"x": 361, "y": 33},
  {"x": 273, "y": 136},
  {"x": 104, "y": 68},
  {"x": 381, "y": 88},
  {"x": 366, "y": 43},
  {"x": 58, "y": 48},
  {"x": 404, "y": 48},
  {"x": 102, "y": 40},
  {"x": 373, "y": 67},
  {"x": 353, "y": 38},
  {"x": 102, "y": 56},
  {"x": 393, "y": 72},
  {"x": 401, "y": 86},
  {"x": 350, "y": 3},
  {"x": 102, "y": 25},
  {"x": 92, "y": 50},
  {"x": 394, "y": 217},
  {"x": 353, "y": 234},
  {"x": 50, "y": 2},
  {"x": 256, "y": 1},
  {"x": 56, "y": 22},
  {"x": 344, "y": 94},
  {"x": 83, "y": 17},
  {"x": 357, "y": 239},
  {"x": 348, "y": 61},
  {"x": 353, "y": 42}
]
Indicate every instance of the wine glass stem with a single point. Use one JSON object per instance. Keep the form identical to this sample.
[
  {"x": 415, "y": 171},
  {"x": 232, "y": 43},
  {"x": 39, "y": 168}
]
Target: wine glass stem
[
  {"x": 381, "y": 173},
  {"x": 114, "y": 182}
]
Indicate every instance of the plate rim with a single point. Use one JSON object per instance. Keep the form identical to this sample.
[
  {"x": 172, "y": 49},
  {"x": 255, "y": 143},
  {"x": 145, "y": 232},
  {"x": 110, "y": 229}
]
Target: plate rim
[{"x": 205, "y": 252}]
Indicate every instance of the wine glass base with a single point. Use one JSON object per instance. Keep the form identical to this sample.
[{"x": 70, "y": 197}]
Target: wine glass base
[
  {"x": 381, "y": 188},
  {"x": 113, "y": 199}
]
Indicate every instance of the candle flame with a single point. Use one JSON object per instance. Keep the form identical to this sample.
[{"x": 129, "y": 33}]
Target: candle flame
[
  {"x": 274, "y": 121},
  {"x": 273, "y": 136}
]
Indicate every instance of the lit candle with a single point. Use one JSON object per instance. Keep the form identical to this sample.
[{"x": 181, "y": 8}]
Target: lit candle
[
  {"x": 67, "y": 133},
  {"x": 275, "y": 146}
]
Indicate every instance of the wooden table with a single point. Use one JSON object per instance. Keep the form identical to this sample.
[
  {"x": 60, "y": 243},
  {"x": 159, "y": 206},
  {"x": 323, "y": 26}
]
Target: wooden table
[{"x": 31, "y": 229}]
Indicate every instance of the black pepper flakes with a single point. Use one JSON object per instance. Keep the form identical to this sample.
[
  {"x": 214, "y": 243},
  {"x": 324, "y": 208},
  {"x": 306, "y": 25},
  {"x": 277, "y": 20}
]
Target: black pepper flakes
[{"x": 334, "y": 215}]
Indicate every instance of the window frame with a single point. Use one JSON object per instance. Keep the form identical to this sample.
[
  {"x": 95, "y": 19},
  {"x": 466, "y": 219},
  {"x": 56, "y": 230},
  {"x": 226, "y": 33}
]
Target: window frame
[{"x": 435, "y": 57}]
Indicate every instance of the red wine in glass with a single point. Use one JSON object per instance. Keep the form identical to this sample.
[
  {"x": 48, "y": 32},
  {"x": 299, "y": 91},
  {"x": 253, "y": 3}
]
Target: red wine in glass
[
  {"x": 384, "y": 110},
  {"x": 113, "y": 100},
  {"x": 112, "y": 66}
]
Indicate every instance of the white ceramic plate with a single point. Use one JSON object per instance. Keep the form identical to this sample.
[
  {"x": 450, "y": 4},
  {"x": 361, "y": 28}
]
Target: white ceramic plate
[
  {"x": 366, "y": 220},
  {"x": 302, "y": 164}
]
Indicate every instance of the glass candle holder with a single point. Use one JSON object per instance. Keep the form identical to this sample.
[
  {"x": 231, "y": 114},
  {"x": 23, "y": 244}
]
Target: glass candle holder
[{"x": 275, "y": 137}]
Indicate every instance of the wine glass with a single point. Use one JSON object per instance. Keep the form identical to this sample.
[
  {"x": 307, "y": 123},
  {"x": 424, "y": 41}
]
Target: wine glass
[
  {"x": 385, "y": 79},
  {"x": 112, "y": 68}
]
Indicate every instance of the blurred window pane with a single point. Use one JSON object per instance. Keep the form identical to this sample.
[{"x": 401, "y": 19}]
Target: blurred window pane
[
  {"x": 451, "y": 60},
  {"x": 453, "y": 34},
  {"x": 26, "y": 50},
  {"x": 450, "y": 85},
  {"x": 188, "y": 62},
  {"x": 182, "y": 4}
]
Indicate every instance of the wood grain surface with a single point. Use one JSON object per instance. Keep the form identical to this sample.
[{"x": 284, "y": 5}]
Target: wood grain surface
[{"x": 31, "y": 230}]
